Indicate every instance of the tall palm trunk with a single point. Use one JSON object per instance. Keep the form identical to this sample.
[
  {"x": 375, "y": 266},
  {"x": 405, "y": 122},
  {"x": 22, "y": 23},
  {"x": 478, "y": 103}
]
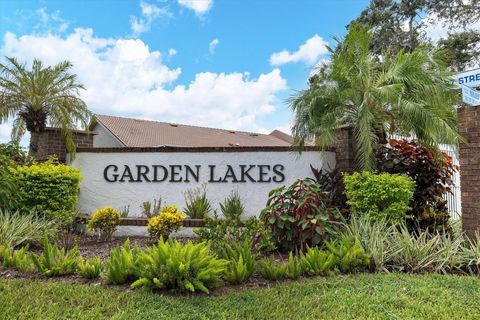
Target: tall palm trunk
[{"x": 34, "y": 143}]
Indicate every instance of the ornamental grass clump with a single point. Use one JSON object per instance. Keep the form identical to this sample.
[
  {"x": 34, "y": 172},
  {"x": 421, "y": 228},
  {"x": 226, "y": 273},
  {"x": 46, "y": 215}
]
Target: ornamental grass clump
[
  {"x": 241, "y": 262},
  {"x": 316, "y": 262},
  {"x": 187, "y": 267},
  {"x": 170, "y": 219},
  {"x": 105, "y": 221},
  {"x": 197, "y": 205},
  {"x": 120, "y": 264},
  {"x": 90, "y": 268}
]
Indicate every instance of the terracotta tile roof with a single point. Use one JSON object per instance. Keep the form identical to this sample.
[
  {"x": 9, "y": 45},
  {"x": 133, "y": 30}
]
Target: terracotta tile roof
[{"x": 146, "y": 133}]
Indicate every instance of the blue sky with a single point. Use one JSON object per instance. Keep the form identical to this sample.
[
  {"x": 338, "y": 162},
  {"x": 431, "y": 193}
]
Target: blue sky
[{"x": 227, "y": 64}]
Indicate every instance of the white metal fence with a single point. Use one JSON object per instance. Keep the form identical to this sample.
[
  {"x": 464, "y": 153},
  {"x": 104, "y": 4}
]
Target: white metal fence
[{"x": 454, "y": 199}]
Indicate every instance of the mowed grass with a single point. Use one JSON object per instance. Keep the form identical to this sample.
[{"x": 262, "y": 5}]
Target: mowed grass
[{"x": 364, "y": 296}]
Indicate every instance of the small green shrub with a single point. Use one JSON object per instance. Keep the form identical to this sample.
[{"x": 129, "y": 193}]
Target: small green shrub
[
  {"x": 49, "y": 188},
  {"x": 300, "y": 215},
  {"x": 382, "y": 196},
  {"x": 54, "y": 261},
  {"x": 317, "y": 262},
  {"x": 197, "y": 205},
  {"x": 293, "y": 267},
  {"x": 187, "y": 267},
  {"x": 17, "y": 229},
  {"x": 90, "y": 268},
  {"x": 9, "y": 197},
  {"x": 242, "y": 262},
  {"x": 170, "y": 219},
  {"x": 105, "y": 221},
  {"x": 120, "y": 264},
  {"x": 271, "y": 271},
  {"x": 218, "y": 232},
  {"x": 18, "y": 259},
  {"x": 124, "y": 211},
  {"x": 349, "y": 255},
  {"x": 232, "y": 207}
]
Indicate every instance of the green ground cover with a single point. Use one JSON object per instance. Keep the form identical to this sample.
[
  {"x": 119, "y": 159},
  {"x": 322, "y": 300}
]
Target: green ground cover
[{"x": 362, "y": 296}]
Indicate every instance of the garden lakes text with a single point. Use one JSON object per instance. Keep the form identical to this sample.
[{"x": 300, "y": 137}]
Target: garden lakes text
[{"x": 186, "y": 173}]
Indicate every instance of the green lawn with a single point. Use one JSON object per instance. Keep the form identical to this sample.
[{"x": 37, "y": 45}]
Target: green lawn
[{"x": 365, "y": 296}]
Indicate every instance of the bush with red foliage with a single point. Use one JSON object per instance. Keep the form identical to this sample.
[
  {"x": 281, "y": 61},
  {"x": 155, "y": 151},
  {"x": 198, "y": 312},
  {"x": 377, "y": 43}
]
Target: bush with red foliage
[
  {"x": 432, "y": 172},
  {"x": 300, "y": 215}
]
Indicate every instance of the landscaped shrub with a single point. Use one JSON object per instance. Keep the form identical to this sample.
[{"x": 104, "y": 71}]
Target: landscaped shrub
[
  {"x": 316, "y": 262},
  {"x": 197, "y": 205},
  {"x": 219, "y": 232},
  {"x": 432, "y": 172},
  {"x": 232, "y": 207},
  {"x": 120, "y": 264},
  {"x": 299, "y": 216},
  {"x": 293, "y": 267},
  {"x": 375, "y": 237},
  {"x": 49, "y": 188},
  {"x": 90, "y": 268},
  {"x": 332, "y": 186},
  {"x": 270, "y": 270},
  {"x": 54, "y": 261},
  {"x": 470, "y": 253},
  {"x": 105, "y": 222},
  {"x": 186, "y": 267},
  {"x": 9, "y": 197},
  {"x": 241, "y": 262},
  {"x": 382, "y": 196},
  {"x": 170, "y": 219},
  {"x": 17, "y": 229},
  {"x": 349, "y": 255},
  {"x": 19, "y": 259}
]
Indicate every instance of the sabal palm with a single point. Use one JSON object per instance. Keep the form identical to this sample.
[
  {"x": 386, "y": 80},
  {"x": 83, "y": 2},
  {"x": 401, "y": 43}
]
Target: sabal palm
[
  {"x": 409, "y": 93},
  {"x": 39, "y": 97}
]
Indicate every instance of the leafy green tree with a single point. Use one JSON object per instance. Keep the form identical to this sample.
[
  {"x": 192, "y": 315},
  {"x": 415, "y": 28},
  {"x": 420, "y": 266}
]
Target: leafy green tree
[
  {"x": 400, "y": 24},
  {"x": 39, "y": 97},
  {"x": 409, "y": 93}
]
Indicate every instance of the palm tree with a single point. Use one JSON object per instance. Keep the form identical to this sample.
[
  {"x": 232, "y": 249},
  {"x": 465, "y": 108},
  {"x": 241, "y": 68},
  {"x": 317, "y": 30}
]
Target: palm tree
[
  {"x": 39, "y": 97},
  {"x": 408, "y": 93}
]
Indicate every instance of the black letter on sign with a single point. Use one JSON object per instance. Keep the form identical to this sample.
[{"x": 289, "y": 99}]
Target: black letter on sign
[
  {"x": 212, "y": 174},
  {"x": 115, "y": 176},
  {"x": 278, "y": 169},
  {"x": 190, "y": 171},
  {"x": 142, "y": 173},
  {"x": 127, "y": 174},
  {"x": 230, "y": 174},
  {"x": 155, "y": 176},
  {"x": 262, "y": 174},
  {"x": 245, "y": 173},
  {"x": 174, "y": 173}
]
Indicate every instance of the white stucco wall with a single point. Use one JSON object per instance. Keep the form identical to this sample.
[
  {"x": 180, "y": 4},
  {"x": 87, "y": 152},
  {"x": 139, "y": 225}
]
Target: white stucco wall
[
  {"x": 103, "y": 138},
  {"x": 96, "y": 192}
]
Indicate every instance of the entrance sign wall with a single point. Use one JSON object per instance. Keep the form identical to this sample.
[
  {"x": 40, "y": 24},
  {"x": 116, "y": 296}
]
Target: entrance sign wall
[{"x": 121, "y": 177}]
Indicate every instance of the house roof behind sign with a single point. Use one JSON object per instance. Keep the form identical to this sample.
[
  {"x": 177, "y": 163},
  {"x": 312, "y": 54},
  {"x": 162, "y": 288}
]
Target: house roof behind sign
[{"x": 146, "y": 133}]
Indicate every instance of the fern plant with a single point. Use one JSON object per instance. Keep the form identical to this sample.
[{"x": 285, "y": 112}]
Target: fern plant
[
  {"x": 242, "y": 262},
  {"x": 90, "y": 268},
  {"x": 317, "y": 262},
  {"x": 120, "y": 265},
  {"x": 271, "y": 271},
  {"x": 293, "y": 267},
  {"x": 187, "y": 267},
  {"x": 18, "y": 259},
  {"x": 54, "y": 261},
  {"x": 349, "y": 255}
]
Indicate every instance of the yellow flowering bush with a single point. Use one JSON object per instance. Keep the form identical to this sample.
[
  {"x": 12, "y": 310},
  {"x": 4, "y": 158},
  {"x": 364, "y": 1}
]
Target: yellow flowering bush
[
  {"x": 105, "y": 222},
  {"x": 168, "y": 220}
]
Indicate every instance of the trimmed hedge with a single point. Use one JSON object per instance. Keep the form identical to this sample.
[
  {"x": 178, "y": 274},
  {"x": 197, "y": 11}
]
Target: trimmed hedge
[
  {"x": 379, "y": 195},
  {"x": 49, "y": 188}
]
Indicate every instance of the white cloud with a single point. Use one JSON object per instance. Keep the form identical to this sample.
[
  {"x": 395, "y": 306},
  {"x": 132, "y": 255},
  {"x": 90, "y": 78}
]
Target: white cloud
[
  {"x": 150, "y": 12},
  {"x": 199, "y": 6},
  {"x": 172, "y": 52},
  {"x": 435, "y": 28},
  {"x": 5, "y": 129},
  {"x": 213, "y": 45},
  {"x": 309, "y": 53},
  {"x": 124, "y": 77},
  {"x": 50, "y": 22}
]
